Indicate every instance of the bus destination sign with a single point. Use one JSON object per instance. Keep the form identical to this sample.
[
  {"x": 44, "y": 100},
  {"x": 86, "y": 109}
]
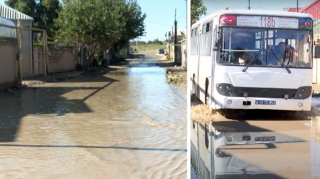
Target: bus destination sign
[{"x": 268, "y": 22}]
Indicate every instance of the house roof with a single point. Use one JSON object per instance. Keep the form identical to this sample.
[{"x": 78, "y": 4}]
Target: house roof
[
  {"x": 310, "y": 9},
  {"x": 10, "y": 13},
  {"x": 292, "y": 9}
]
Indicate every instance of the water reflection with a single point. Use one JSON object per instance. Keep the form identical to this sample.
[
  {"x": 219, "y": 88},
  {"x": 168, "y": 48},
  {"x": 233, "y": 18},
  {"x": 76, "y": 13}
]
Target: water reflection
[
  {"x": 273, "y": 149},
  {"x": 127, "y": 123}
]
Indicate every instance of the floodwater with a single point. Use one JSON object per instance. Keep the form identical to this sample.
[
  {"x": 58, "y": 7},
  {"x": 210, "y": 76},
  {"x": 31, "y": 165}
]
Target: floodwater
[
  {"x": 128, "y": 123},
  {"x": 281, "y": 146}
]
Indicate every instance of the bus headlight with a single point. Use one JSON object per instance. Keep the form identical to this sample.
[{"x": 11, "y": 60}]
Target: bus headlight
[
  {"x": 225, "y": 89},
  {"x": 303, "y": 92}
]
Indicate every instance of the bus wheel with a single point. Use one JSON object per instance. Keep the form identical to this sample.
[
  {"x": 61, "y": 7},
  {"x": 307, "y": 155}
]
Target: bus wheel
[{"x": 206, "y": 91}]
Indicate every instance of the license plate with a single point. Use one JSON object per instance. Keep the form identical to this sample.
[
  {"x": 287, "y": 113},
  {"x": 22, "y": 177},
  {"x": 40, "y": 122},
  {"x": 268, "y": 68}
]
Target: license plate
[
  {"x": 265, "y": 102},
  {"x": 265, "y": 139}
]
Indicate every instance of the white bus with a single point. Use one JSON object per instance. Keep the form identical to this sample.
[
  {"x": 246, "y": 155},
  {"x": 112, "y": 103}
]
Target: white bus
[{"x": 252, "y": 59}]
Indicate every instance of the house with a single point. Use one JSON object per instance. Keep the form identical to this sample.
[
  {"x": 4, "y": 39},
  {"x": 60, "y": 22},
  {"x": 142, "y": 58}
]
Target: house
[
  {"x": 313, "y": 8},
  {"x": 26, "y": 37}
]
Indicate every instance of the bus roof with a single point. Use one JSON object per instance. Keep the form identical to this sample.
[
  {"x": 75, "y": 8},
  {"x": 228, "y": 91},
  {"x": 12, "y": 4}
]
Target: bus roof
[{"x": 253, "y": 12}]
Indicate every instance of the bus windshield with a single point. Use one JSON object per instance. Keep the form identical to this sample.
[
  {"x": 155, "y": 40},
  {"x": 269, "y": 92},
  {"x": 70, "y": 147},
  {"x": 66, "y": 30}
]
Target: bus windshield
[{"x": 265, "y": 47}]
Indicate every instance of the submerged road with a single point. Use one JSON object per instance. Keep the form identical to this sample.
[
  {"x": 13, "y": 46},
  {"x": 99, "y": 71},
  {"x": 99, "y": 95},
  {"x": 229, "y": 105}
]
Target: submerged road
[{"x": 127, "y": 123}]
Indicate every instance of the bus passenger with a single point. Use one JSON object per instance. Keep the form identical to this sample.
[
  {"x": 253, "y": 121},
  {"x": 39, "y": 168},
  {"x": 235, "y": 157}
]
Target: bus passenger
[
  {"x": 280, "y": 49},
  {"x": 285, "y": 52}
]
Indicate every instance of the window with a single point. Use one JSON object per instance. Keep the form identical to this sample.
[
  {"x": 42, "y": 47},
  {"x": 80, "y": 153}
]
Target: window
[
  {"x": 194, "y": 42},
  {"x": 206, "y": 39},
  {"x": 265, "y": 47}
]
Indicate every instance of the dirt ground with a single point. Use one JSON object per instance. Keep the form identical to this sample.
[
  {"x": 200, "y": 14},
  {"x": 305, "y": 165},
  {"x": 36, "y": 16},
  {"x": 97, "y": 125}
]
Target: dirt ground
[{"x": 177, "y": 76}]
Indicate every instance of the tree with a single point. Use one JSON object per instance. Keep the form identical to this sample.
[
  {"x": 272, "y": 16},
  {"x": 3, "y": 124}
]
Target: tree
[
  {"x": 90, "y": 22},
  {"x": 46, "y": 12},
  {"x": 197, "y": 10},
  {"x": 134, "y": 25},
  {"x": 25, "y": 6},
  {"x": 103, "y": 24},
  {"x": 43, "y": 12}
]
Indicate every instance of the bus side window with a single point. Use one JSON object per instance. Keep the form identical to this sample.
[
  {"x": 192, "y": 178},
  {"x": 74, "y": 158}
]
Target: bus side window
[{"x": 317, "y": 51}]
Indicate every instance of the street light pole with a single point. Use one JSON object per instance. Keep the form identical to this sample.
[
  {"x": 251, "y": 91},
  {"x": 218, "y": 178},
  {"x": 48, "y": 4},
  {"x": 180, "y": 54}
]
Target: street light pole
[{"x": 297, "y": 5}]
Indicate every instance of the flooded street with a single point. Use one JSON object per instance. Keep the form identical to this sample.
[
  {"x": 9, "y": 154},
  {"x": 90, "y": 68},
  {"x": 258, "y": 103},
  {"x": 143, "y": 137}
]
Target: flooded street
[
  {"x": 127, "y": 123},
  {"x": 261, "y": 144}
]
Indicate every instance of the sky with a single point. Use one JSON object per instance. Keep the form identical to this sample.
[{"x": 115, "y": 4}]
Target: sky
[
  {"x": 160, "y": 14},
  {"x": 213, "y": 5},
  {"x": 160, "y": 17}
]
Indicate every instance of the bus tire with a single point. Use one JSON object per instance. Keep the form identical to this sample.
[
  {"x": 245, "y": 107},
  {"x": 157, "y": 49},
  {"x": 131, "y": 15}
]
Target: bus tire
[{"x": 206, "y": 91}]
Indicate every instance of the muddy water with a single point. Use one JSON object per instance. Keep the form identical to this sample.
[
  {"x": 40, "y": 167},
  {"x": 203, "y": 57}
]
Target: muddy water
[
  {"x": 127, "y": 123},
  {"x": 295, "y": 153}
]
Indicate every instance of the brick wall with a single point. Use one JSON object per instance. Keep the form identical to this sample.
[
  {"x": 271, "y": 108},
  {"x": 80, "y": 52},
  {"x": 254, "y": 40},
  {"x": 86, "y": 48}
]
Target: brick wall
[{"x": 60, "y": 59}]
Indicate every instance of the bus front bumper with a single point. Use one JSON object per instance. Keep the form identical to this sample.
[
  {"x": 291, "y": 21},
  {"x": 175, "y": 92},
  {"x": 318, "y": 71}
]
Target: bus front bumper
[{"x": 265, "y": 103}]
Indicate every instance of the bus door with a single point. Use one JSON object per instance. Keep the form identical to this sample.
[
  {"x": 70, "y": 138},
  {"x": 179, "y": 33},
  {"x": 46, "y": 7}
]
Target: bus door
[
  {"x": 198, "y": 60},
  {"x": 205, "y": 61},
  {"x": 213, "y": 62}
]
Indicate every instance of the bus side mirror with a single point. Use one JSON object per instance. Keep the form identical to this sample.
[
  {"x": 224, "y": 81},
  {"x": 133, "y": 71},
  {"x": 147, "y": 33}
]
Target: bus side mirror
[{"x": 217, "y": 45}]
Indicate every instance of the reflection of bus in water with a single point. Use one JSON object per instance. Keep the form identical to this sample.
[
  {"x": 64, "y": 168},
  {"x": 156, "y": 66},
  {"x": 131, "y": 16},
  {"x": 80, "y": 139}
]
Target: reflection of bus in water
[
  {"x": 232, "y": 150},
  {"x": 252, "y": 59}
]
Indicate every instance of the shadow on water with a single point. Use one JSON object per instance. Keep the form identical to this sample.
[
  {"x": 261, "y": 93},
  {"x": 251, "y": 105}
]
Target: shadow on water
[{"x": 44, "y": 100}]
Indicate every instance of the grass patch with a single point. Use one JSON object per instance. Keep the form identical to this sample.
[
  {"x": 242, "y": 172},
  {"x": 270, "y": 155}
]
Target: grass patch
[{"x": 147, "y": 47}]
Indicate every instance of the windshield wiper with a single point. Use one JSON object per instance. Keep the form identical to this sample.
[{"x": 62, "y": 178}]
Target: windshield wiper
[
  {"x": 282, "y": 64},
  {"x": 251, "y": 61}
]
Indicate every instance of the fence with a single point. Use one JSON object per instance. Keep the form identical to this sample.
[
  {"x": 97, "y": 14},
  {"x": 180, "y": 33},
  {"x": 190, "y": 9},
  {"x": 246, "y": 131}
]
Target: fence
[{"x": 60, "y": 59}]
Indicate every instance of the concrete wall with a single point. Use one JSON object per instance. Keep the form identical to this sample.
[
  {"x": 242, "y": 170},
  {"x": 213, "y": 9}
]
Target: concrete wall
[
  {"x": 184, "y": 54},
  {"x": 179, "y": 50},
  {"x": 26, "y": 49},
  {"x": 8, "y": 62},
  {"x": 60, "y": 59}
]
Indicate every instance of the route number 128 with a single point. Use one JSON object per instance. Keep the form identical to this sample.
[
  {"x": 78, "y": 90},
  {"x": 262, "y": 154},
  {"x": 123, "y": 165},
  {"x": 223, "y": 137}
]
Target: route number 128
[{"x": 267, "y": 22}]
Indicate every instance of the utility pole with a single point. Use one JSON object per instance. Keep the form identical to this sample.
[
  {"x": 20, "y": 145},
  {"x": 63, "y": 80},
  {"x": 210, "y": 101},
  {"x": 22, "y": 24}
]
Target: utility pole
[
  {"x": 317, "y": 23},
  {"x": 297, "y": 5},
  {"x": 249, "y": 5},
  {"x": 175, "y": 36},
  {"x": 172, "y": 37}
]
